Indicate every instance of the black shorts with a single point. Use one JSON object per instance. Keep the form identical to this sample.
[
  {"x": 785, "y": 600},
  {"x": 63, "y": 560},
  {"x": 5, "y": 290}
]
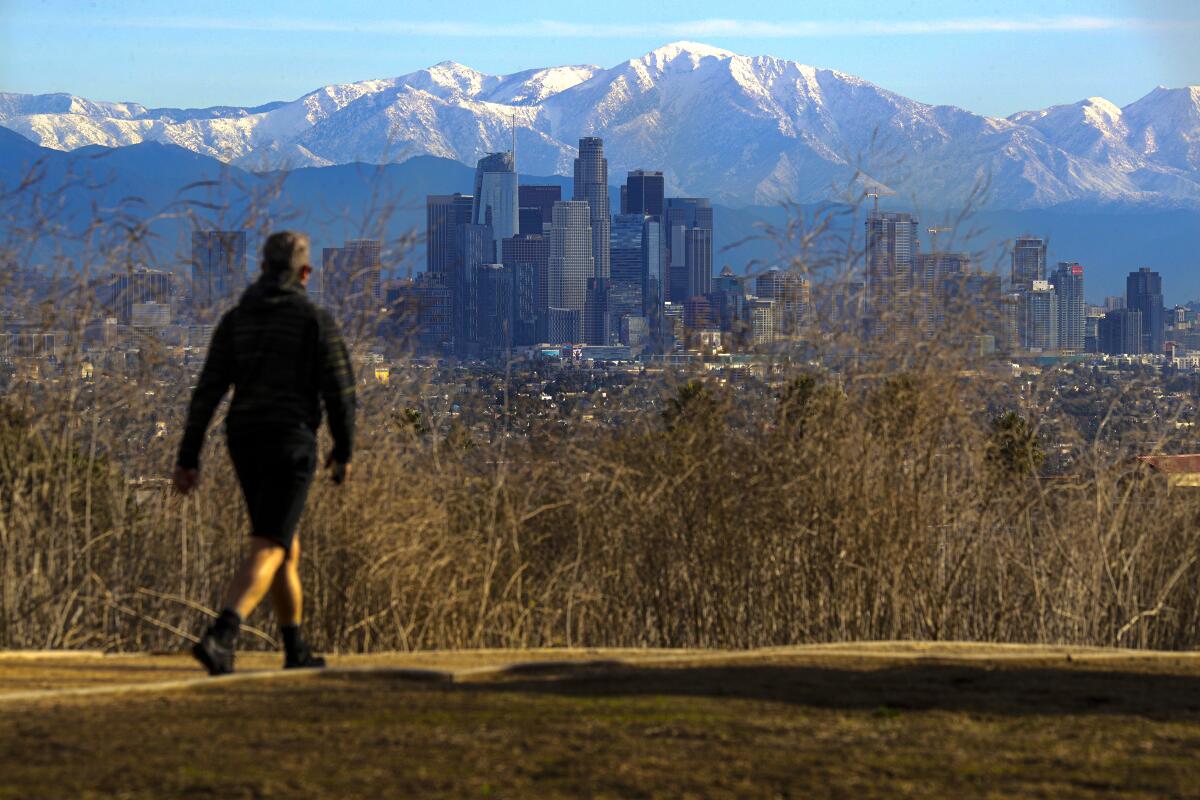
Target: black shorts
[{"x": 275, "y": 468}]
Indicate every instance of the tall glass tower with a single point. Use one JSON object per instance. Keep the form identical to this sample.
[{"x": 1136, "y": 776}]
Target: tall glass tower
[
  {"x": 1028, "y": 262},
  {"x": 1072, "y": 310},
  {"x": 591, "y": 184},
  {"x": 496, "y": 198},
  {"x": 571, "y": 265},
  {"x": 1143, "y": 292}
]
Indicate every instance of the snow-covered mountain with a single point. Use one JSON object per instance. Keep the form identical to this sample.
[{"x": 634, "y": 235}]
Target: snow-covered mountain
[{"x": 741, "y": 129}]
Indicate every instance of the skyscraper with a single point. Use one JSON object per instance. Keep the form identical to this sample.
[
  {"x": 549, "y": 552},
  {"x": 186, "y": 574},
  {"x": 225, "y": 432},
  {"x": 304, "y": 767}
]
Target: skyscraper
[
  {"x": 1072, "y": 310},
  {"x": 443, "y": 214},
  {"x": 537, "y": 204},
  {"x": 528, "y": 257},
  {"x": 494, "y": 306},
  {"x": 476, "y": 247},
  {"x": 218, "y": 267},
  {"x": 697, "y": 260},
  {"x": 591, "y": 185},
  {"x": 627, "y": 254},
  {"x": 932, "y": 272},
  {"x": 351, "y": 275},
  {"x": 644, "y": 191},
  {"x": 790, "y": 292},
  {"x": 1039, "y": 318},
  {"x": 1143, "y": 292},
  {"x": 1028, "y": 261},
  {"x": 571, "y": 265},
  {"x": 683, "y": 214},
  {"x": 139, "y": 286},
  {"x": 496, "y": 199},
  {"x": 1120, "y": 332},
  {"x": 892, "y": 249}
]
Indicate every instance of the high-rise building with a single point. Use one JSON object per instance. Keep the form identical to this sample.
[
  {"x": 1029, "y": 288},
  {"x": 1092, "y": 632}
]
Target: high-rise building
[
  {"x": 684, "y": 214},
  {"x": 891, "y": 254},
  {"x": 570, "y": 265},
  {"x": 1072, "y": 309},
  {"x": 218, "y": 268},
  {"x": 443, "y": 214},
  {"x": 591, "y": 185},
  {"x": 476, "y": 247},
  {"x": 1028, "y": 261},
  {"x": 527, "y": 257},
  {"x": 791, "y": 293},
  {"x": 762, "y": 321},
  {"x": 494, "y": 305},
  {"x": 932, "y": 272},
  {"x": 1143, "y": 292},
  {"x": 644, "y": 193},
  {"x": 598, "y": 314},
  {"x": 496, "y": 201},
  {"x": 653, "y": 257},
  {"x": 537, "y": 204},
  {"x": 698, "y": 260},
  {"x": 434, "y": 311},
  {"x": 627, "y": 255},
  {"x": 351, "y": 275},
  {"x": 138, "y": 286},
  {"x": 973, "y": 304},
  {"x": 1120, "y": 332},
  {"x": 1039, "y": 318}
]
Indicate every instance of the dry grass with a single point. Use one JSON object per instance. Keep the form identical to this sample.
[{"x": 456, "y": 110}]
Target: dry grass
[{"x": 870, "y": 498}]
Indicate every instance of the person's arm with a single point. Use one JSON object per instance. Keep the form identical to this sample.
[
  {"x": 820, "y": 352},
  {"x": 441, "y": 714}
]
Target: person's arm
[
  {"x": 337, "y": 391},
  {"x": 215, "y": 378}
]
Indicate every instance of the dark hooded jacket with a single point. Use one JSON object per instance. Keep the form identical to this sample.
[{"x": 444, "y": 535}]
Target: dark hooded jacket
[{"x": 283, "y": 356}]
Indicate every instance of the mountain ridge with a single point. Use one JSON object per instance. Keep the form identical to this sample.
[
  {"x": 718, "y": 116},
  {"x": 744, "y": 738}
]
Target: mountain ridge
[{"x": 741, "y": 129}]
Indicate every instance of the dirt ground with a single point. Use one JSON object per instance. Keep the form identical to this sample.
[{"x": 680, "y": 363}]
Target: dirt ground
[{"x": 881, "y": 720}]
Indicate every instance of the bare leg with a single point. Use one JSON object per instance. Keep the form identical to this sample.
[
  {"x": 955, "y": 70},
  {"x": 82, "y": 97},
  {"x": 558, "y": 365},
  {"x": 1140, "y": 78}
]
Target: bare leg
[
  {"x": 254, "y": 577},
  {"x": 286, "y": 595}
]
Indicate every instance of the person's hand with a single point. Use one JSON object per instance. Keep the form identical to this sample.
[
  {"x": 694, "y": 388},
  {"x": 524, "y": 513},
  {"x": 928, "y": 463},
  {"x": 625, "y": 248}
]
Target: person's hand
[
  {"x": 338, "y": 471},
  {"x": 185, "y": 479}
]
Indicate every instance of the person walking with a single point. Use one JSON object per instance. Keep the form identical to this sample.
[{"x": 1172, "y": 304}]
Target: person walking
[{"x": 283, "y": 357}]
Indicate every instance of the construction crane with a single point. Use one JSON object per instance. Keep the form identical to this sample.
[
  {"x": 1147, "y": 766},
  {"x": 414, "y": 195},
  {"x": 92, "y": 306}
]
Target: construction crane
[{"x": 933, "y": 234}]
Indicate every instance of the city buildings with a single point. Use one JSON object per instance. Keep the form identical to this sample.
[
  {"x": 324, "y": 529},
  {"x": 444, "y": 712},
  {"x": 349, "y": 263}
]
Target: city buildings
[
  {"x": 1121, "y": 332},
  {"x": 537, "y": 203},
  {"x": 790, "y": 294},
  {"x": 1028, "y": 262},
  {"x": 644, "y": 193},
  {"x": 218, "y": 269},
  {"x": 684, "y": 214},
  {"x": 443, "y": 216},
  {"x": 1039, "y": 318},
  {"x": 1067, "y": 281},
  {"x": 891, "y": 252},
  {"x": 139, "y": 286},
  {"x": 591, "y": 186},
  {"x": 495, "y": 200},
  {"x": 1143, "y": 292},
  {"x": 570, "y": 268},
  {"x": 351, "y": 275}
]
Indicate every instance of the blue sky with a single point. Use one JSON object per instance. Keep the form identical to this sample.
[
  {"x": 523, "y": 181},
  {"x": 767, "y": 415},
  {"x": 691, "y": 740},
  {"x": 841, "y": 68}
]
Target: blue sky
[{"x": 989, "y": 57}]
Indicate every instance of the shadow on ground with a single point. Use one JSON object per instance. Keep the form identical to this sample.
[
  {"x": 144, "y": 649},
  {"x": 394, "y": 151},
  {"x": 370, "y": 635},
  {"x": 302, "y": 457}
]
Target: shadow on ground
[{"x": 985, "y": 689}]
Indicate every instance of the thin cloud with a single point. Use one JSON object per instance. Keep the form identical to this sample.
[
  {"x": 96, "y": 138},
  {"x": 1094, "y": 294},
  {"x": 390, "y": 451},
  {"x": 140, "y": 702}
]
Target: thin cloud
[{"x": 758, "y": 29}]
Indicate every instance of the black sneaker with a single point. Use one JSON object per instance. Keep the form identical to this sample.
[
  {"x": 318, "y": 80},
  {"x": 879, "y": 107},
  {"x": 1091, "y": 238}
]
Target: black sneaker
[
  {"x": 303, "y": 659},
  {"x": 216, "y": 657}
]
